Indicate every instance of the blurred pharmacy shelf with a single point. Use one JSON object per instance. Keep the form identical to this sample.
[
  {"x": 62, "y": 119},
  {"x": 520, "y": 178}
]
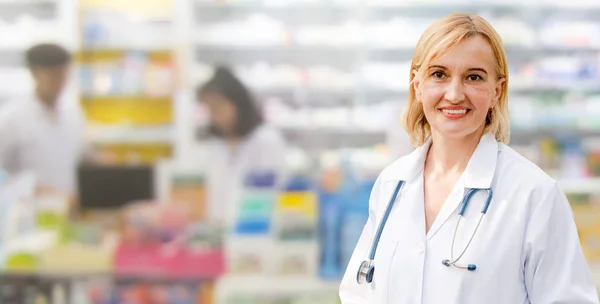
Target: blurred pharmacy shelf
[
  {"x": 123, "y": 134},
  {"x": 10, "y": 9},
  {"x": 24, "y": 23},
  {"x": 285, "y": 284},
  {"x": 595, "y": 269},
  {"x": 345, "y": 57},
  {"x": 228, "y": 289},
  {"x": 127, "y": 77},
  {"x": 350, "y": 135},
  {"x": 391, "y": 4},
  {"x": 12, "y": 57},
  {"x": 585, "y": 185}
]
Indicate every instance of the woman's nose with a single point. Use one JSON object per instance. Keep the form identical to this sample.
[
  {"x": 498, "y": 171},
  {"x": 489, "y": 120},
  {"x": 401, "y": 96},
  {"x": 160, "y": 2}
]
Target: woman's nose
[{"x": 455, "y": 92}]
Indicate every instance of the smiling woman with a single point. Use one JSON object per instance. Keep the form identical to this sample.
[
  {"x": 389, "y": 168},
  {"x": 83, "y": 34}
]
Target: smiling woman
[
  {"x": 516, "y": 243},
  {"x": 463, "y": 57}
]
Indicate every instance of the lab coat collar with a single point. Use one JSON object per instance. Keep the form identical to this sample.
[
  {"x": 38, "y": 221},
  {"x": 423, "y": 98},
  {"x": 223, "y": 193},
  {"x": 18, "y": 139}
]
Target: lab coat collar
[
  {"x": 407, "y": 169},
  {"x": 481, "y": 168},
  {"x": 478, "y": 173}
]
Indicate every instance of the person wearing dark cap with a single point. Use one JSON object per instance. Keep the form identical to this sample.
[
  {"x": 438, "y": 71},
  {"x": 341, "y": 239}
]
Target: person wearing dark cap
[
  {"x": 239, "y": 141},
  {"x": 43, "y": 133}
]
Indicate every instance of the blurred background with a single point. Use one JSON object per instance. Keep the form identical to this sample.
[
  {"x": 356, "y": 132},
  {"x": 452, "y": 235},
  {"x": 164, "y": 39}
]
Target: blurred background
[{"x": 223, "y": 151}]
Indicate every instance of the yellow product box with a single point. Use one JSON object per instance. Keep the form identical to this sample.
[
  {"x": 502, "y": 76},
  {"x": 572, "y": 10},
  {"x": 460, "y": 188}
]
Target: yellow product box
[
  {"x": 296, "y": 215},
  {"x": 21, "y": 262},
  {"x": 304, "y": 203},
  {"x": 191, "y": 192}
]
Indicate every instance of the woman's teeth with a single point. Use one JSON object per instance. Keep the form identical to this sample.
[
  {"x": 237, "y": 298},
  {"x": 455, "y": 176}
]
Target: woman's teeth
[{"x": 455, "y": 112}]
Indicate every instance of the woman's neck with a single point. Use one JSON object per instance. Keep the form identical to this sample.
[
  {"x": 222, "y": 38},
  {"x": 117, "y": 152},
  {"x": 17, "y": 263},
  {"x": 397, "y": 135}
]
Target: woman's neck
[{"x": 451, "y": 155}]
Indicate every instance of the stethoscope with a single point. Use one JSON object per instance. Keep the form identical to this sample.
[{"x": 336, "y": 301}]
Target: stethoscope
[{"x": 367, "y": 268}]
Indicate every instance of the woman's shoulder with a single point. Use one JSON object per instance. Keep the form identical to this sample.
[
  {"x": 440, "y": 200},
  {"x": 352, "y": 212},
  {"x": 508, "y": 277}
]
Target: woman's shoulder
[
  {"x": 401, "y": 164},
  {"x": 513, "y": 170}
]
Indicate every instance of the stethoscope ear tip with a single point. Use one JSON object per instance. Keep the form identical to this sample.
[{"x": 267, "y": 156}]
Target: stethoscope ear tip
[
  {"x": 471, "y": 267},
  {"x": 446, "y": 262}
]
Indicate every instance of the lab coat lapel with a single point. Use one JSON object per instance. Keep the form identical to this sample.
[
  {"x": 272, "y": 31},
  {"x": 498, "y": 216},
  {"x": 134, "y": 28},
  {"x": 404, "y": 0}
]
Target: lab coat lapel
[
  {"x": 410, "y": 170},
  {"x": 416, "y": 208},
  {"x": 450, "y": 206},
  {"x": 478, "y": 175}
]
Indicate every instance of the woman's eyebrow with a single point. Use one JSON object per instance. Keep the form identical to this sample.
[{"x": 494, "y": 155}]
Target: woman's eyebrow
[
  {"x": 441, "y": 67},
  {"x": 437, "y": 66},
  {"x": 479, "y": 69}
]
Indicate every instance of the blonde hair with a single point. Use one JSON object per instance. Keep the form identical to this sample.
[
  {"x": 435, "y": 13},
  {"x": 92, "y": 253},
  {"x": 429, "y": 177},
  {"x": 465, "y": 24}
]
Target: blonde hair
[{"x": 437, "y": 41}]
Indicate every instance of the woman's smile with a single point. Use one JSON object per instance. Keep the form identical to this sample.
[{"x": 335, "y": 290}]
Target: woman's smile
[{"x": 455, "y": 112}]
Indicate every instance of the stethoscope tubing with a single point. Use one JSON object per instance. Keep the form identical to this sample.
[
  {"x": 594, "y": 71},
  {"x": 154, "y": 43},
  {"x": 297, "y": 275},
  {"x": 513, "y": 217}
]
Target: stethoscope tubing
[
  {"x": 386, "y": 215},
  {"x": 453, "y": 262}
]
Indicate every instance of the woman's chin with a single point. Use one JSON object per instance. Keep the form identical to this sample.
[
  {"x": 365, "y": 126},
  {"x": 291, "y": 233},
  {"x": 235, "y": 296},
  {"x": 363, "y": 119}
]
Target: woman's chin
[{"x": 458, "y": 132}]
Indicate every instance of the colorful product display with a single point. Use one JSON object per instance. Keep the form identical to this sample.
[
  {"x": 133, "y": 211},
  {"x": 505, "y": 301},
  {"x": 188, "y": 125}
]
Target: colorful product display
[
  {"x": 290, "y": 299},
  {"x": 164, "y": 240},
  {"x": 135, "y": 73},
  {"x": 296, "y": 219},
  {"x": 330, "y": 235},
  {"x": 296, "y": 211},
  {"x": 257, "y": 203},
  {"x": 565, "y": 157},
  {"x": 152, "y": 294},
  {"x": 127, "y": 77},
  {"x": 189, "y": 190},
  {"x": 586, "y": 209},
  {"x": 249, "y": 241}
]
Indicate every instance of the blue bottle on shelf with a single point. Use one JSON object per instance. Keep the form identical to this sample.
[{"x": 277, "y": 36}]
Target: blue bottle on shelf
[
  {"x": 329, "y": 234},
  {"x": 355, "y": 213}
]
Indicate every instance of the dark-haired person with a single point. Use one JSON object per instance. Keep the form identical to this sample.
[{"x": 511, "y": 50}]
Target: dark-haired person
[
  {"x": 42, "y": 133},
  {"x": 240, "y": 141}
]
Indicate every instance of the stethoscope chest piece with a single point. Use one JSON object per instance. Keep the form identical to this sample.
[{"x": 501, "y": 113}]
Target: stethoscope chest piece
[{"x": 365, "y": 272}]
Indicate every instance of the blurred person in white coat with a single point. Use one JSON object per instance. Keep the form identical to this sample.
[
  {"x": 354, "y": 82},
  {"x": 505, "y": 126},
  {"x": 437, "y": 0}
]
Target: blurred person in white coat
[
  {"x": 239, "y": 142},
  {"x": 43, "y": 133},
  {"x": 517, "y": 241}
]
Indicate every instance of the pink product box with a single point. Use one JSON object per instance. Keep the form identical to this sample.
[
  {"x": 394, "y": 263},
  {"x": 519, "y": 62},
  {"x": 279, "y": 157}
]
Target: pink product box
[{"x": 172, "y": 261}]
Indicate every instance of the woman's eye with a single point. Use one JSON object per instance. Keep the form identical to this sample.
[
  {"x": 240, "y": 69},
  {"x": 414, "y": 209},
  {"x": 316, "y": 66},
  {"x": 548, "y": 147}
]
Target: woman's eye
[
  {"x": 438, "y": 74},
  {"x": 475, "y": 77}
]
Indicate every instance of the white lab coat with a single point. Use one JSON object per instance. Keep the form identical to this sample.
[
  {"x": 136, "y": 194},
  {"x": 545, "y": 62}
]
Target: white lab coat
[
  {"x": 264, "y": 149},
  {"x": 526, "y": 250},
  {"x": 49, "y": 145}
]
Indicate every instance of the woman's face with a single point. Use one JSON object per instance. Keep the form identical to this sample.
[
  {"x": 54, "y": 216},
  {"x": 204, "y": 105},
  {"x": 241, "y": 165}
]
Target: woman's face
[
  {"x": 459, "y": 88},
  {"x": 222, "y": 112}
]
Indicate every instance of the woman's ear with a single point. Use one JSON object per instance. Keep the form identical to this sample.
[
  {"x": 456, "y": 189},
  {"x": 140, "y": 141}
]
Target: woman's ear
[
  {"x": 498, "y": 91},
  {"x": 416, "y": 83}
]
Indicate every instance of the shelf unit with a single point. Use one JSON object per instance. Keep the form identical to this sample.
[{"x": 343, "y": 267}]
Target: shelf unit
[
  {"x": 311, "y": 290},
  {"x": 127, "y": 75},
  {"x": 294, "y": 41}
]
